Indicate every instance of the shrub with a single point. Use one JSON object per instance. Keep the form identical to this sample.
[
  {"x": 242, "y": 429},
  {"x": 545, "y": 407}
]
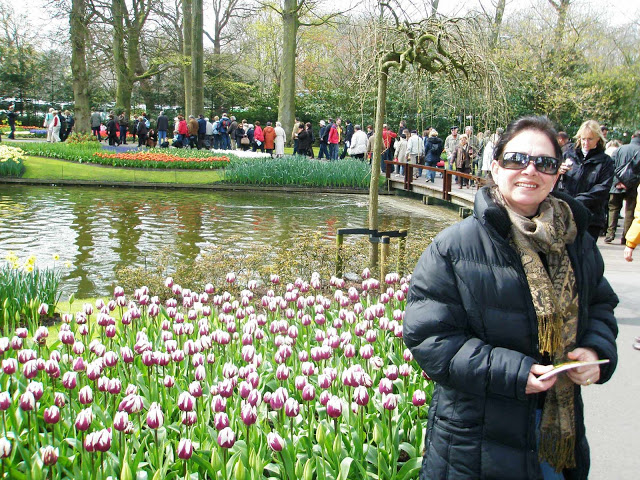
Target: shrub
[
  {"x": 77, "y": 137},
  {"x": 11, "y": 161}
]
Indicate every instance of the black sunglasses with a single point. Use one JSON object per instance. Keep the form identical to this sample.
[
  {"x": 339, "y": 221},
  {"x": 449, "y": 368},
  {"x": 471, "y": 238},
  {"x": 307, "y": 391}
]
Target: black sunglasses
[{"x": 519, "y": 161}]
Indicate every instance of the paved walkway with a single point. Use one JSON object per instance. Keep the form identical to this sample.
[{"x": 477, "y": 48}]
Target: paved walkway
[{"x": 612, "y": 410}]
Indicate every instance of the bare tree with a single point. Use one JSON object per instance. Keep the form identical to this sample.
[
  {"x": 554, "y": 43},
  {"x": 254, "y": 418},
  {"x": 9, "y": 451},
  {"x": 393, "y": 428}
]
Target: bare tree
[
  {"x": 294, "y": 14},
  {"x": 224, "y": 12},
  {"x": 562, "y": 8}
]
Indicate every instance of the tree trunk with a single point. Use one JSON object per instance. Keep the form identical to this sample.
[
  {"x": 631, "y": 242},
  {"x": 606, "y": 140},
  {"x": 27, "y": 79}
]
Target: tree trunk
[
  {"x": 287, "y": 97},
  {"x": 197, "y": 58},
  {"x": 79, "y": 65},
  {"x": 375, "y": 162},
  {"x": 187, "y": 27},
  {"x": 497, "y": 24},
  {"x": 562, "y": 7},
  {"x": 124, "y": 85}
]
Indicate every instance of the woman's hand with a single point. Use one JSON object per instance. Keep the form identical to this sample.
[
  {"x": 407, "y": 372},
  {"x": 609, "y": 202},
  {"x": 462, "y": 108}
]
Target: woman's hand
[
  {"x": 628, "y": 254},
  {"x": 565, "y": 166},
  {"x": 584, "y": 375},
  {"x": 536, "y": 386}
]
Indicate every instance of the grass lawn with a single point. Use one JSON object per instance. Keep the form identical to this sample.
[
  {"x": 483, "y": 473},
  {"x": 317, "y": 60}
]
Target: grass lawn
[{"x": 53, "y": 169}]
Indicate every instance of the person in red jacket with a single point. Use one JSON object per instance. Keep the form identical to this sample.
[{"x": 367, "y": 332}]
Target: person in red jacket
[
  {"x": 387, "y": 141},
  {"x": 183, "y": 130},
  {"x": 258, "y": 137},
  {"x": 334, "y": 140}
]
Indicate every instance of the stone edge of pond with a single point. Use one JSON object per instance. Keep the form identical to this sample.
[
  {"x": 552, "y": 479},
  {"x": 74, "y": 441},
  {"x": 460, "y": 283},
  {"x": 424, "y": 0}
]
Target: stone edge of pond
[{"x": 193, "y": 186}]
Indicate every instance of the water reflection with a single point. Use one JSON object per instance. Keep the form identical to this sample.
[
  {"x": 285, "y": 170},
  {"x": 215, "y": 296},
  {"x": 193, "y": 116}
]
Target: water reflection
[{"x": 98, "y": 230}]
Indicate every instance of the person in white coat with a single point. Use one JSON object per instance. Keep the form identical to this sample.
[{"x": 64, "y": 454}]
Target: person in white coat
[
  {"x": 281, "y": 138},
  {"x": 359, "y": 143},
  {"x": 400, "y": 152}
]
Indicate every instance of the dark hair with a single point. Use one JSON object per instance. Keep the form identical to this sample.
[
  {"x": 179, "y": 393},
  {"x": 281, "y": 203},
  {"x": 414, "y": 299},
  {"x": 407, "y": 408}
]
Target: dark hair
[
  {"x": 541, "y": 124},
  {"x": 257, "y": 123},
  {"x": 563, "y": 135}
]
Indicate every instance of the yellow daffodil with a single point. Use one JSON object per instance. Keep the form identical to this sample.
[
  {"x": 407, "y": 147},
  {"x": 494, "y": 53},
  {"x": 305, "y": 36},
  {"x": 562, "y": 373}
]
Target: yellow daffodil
[{"x": 56, "y": 257}]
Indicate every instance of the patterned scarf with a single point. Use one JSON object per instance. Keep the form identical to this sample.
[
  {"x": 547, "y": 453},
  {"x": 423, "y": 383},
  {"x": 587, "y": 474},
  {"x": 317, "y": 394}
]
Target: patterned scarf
[{"x": 555, "y": 299}]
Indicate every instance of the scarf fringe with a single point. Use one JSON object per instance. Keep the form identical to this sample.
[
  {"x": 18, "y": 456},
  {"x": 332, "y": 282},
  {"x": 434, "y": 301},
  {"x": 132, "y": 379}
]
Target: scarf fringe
[
  {"x": 550, "y": 333},
  {"x": 559, "y": 453}
]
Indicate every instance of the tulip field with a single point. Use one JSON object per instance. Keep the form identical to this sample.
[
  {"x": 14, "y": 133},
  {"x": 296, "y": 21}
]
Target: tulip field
[{"x": 306, "y": 380}]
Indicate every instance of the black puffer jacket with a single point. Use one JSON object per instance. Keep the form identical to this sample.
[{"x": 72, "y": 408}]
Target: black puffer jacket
[
  {"x": 589, "y": 181},
  {"x": 471, "y": 325},
  {"x": 433, "y": 147}
]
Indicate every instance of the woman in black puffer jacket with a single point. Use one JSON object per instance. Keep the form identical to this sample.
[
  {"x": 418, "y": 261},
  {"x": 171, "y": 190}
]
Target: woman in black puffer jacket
[
  {"x": 588, "y": 175},
  {"x": 494, "y": 302},
  {"x": 433, "y": 147}
]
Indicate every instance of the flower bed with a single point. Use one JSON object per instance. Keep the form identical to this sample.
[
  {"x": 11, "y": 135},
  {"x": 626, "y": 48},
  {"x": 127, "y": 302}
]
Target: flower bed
[
  {"x": 155, "y": 158},
  {"x": 11, "y": 161},
  {"x": 294, "y": 380}
]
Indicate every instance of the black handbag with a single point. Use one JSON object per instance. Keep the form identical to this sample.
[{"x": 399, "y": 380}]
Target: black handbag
[{"x": 629, "y": 174}]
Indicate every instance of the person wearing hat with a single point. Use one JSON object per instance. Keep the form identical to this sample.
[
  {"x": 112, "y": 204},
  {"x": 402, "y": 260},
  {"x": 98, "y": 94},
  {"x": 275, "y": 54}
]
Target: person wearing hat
[
  {"x": 324, "y": 140},
  {"x": 450, "y": 144}
]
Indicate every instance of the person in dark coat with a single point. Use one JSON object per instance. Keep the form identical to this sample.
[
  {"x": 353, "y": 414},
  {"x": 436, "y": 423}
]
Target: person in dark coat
[
  {"x": 620, "y": 193},
  {"x": 433, "y": 147},
  {"x": 142, "y": 130},
  {"x": 70, "y": 123},
  {"x": 348, "y": 134},
  {"x": 588, "y": 176},
  {"x": 112, "y": 131},
  {"x": 123, "y": 122},
  {"x": 494, "y": 302},
  {"x": 304, "y": 140},
  {"x": 11, "y": 119},
  {"x": 162, "y": 127}
]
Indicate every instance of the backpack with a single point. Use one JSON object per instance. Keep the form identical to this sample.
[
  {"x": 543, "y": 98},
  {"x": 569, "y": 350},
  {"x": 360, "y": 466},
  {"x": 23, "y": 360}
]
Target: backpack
[
  {"x": 224, "y": 124},
  {"x": 147, "y": 123},
  {"x": 216, "y": 126}
]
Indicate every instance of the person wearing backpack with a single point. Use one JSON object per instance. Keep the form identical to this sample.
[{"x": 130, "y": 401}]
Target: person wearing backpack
[
  {"x": 216, "y": 133},
  {"x": 62, "y": 120},
  {"x": 223, "y": 128},
  {"x": 620, "y": 192}
]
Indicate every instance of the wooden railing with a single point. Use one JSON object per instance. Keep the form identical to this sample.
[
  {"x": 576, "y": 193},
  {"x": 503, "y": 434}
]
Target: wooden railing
[{"x": 447, "y": 176}]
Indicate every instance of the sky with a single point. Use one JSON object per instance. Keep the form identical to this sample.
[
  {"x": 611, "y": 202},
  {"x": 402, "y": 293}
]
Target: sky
[{"x": 618, "y": 11}]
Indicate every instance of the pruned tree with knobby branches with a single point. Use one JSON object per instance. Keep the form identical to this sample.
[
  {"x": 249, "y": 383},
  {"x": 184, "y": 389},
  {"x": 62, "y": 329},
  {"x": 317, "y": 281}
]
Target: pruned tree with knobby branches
[{"x": 433, "y": 46}]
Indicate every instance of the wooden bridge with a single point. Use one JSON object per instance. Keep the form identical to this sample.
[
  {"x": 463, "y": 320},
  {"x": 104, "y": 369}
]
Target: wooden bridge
[{"x": 443, "y": 188}]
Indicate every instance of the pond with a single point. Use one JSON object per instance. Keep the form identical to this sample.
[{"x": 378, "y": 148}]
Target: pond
[{"x": 96, "y": 230}]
